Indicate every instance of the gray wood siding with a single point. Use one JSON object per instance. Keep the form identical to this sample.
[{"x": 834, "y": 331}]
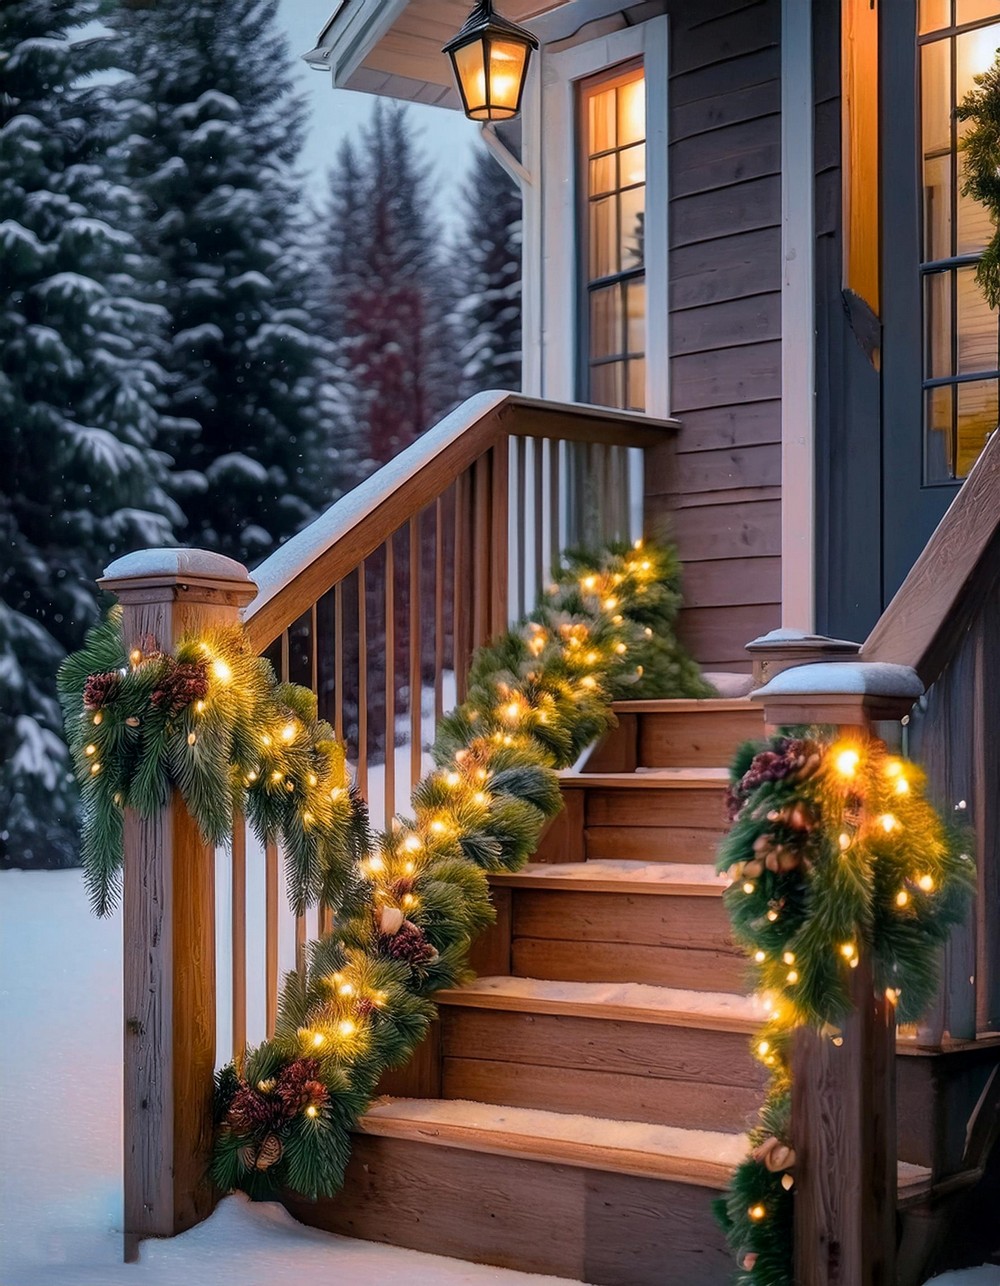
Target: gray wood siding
[{"x": 720, "y": 494}]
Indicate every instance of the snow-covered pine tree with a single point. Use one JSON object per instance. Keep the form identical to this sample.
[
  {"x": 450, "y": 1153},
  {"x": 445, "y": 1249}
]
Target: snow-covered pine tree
[
  {"x": 217, "y": 130},
  {"x": 489, "y": 312},
  {"x": 389, "y": 293},
  {"x": 81, "y": 482}
]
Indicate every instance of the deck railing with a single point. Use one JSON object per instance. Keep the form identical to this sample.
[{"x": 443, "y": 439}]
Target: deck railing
[
  {"x": 377, "y": 607},
  {"x": 941, "y": 632}
]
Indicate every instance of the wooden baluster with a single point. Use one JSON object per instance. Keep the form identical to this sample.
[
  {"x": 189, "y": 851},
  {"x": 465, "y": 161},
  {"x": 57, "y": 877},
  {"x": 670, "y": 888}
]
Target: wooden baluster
[
  {"x": 462, "y": 587},
  {"x": 439, "y": 591},
  {"x": 338, "y": 661},
  {"x": 538, "y": 532},
  {"x": 480, "y": 588},
  {"x": 362, "y": 683},
  {"x": 498, "y": 543},
  {"x": 520, "y": 511},
  {"x": 300, "y": 920},
  {"x": 416, "y": 674},
  {"x": 390, "y": 685},
  {"x": 270, "y": 937},
  {"x": 555, "y": 505},
  {"x": 239, "y": 937}
]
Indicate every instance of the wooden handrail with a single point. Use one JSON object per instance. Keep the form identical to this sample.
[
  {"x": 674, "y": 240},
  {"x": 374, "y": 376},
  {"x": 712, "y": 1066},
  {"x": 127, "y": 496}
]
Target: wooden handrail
[
  {"x": 332, "y": 546},
  {"x": 922, "y": 625}
]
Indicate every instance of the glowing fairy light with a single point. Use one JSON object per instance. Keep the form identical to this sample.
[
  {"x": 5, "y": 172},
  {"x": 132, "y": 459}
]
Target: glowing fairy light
[
  {"x": 90, "y": 750},
  {"x": 589, "y": 583},
  {"x": 926, "y": 883},
  {"x": 288, "y": 733},
  {"x": 748, "y": 887},
  {"x": 888, "y": 823},
  {"x": 757, "y": 1212},
  {"x": 265, "y": 740},
  {"x": 588, "y": 681},
  {"x": 848, "y": 950},
  {"x": 762, "y": 1047},
  {"x": 135, "y": 656},
  {"x": 844, "y": 840},
  {"x": 480, "y": 798},
  {"x": 846, "y": 762},
  {"x": 610, "y": 604},
  {"x": 98, "y": 718},
  {"x": 792, "y": 976},
  {"x": 621, "y": 648},
  {"x": 337, "y": 793},
  {"x": 512, "y": 711},
  {"x": 412, "y": 844},
  {"x": 346, "y": 1028},
  {"x": 789, "y": 957},
  {"x": 902, "y": 897},
  {"x": 318, "y": 1039},
  {"x": 199, "y": 707},
  {"x": 453, "y": 778},
  {"x": 312, "y": 779},
  {"x": 312, "y": 1110},
  {"x": 772, "y": 915},
  {"x": 760, "y": 956},
  {"x": 192, "y": 738},
  {"x": 221, "y": 671},
  {"x": 277, "y": 776},
  {"x": 95, "y": 768}
]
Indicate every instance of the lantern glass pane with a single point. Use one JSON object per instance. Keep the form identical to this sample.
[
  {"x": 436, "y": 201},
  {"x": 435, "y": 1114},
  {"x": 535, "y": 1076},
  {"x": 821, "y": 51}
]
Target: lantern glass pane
[
  {"x": 472, "y": 77},
  {"x": 507, "y": 60}
]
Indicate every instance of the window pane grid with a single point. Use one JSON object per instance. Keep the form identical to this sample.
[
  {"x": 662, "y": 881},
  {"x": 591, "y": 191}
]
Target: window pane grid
[
  {"x": 614, "y": 174},
  {"x": 958, "y": 39}
]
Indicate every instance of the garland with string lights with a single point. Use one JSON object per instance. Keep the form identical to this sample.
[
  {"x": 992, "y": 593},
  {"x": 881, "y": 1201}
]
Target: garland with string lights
[
  {"x": 835, "y": 853},
  {"x": 537, "y": 697},
  {"x": 980, "y": 145},
  {"x": 211, "y": 720}
]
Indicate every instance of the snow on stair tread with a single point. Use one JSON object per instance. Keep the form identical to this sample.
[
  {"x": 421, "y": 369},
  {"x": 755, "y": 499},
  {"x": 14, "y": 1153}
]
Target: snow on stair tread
[
  {"x": 648, "y": 778},
  {"x": 620, "y": 1001},
  {"x": 613, "y": 874},
  {"x": 703, "y": 1157}
]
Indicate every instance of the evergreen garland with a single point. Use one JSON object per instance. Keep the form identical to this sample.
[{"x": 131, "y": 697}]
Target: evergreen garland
[
  {"x": 537, "y": 697},
  {"x": 834, "y": 853},
  {"x": 211, "y": 720},
  {"x": 981, "y": 181}
]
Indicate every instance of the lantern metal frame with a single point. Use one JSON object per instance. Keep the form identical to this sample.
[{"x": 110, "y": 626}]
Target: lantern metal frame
[{"x": 484, "y": 26}]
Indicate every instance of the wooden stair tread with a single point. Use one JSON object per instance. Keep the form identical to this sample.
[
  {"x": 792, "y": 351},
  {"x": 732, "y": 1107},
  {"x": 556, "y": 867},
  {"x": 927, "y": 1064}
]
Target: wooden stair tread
[
  {"x": 700, "y": 1157},
  {"x": 686, "y": 705},
  {"x": 704, "y": 1158},
  {"x": 605, "y": 875},
  {"x": 616, "y": 1001},
  {"x": 648, "y": 778}
]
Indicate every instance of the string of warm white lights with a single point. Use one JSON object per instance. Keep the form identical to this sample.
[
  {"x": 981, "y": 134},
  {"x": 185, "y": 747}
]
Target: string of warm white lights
[
  {"x": 537, "y": 697},
  {"x": 834, "y": 854}
]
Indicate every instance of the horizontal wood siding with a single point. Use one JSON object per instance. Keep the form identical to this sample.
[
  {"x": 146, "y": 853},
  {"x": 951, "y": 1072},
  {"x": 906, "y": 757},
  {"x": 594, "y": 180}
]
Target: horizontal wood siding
[{"x": 719, "y": 494}]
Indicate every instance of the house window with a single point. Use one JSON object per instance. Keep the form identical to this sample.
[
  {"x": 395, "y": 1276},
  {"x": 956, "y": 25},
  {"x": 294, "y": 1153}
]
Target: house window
[
  {"x": 961, "y": 357},
  {"x": 612, "y": 113}
]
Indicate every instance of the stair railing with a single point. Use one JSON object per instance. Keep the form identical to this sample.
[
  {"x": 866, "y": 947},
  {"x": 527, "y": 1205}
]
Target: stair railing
[
  {"x": 932, "y": 664},
  {"x": 377, "y": 606}
]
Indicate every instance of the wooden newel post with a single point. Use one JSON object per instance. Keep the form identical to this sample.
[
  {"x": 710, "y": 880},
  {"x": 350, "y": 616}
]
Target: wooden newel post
[
  {"x": 844, "y": 1091},
  {"x": 169, "y": 925}
]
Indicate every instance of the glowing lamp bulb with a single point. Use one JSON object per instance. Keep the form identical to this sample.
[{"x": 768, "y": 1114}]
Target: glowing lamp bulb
[{"x": 846, "y": 762}]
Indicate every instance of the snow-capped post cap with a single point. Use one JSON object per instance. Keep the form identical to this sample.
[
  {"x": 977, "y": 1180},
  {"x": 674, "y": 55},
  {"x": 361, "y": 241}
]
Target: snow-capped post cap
[
  {"x": 152, "y": 575},
  {"x": 782, "y": 648},
  {"x": 843, "y": 692}
]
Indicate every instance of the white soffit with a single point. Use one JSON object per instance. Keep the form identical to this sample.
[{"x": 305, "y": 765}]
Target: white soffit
[{"x": 393, "y": 47}]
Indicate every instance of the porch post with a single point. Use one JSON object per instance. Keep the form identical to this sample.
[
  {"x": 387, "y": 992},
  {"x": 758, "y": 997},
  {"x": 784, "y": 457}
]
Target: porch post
[
  {"x": 169, "y": 925},
  {"x": 844, "y": 1093}
]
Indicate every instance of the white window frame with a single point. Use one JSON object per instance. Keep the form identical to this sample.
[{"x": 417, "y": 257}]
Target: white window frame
[{"x": 552, "y": 218}]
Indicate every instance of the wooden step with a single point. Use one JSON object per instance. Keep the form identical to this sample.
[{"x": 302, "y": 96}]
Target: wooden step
[
  {"x": 687, "y": 733},
  {"x": 639, "y": 1053},
  {"x": 652, "y": 815},
  {"x": 619, "y": 922},
  {"x": 604, "y": 1202}
]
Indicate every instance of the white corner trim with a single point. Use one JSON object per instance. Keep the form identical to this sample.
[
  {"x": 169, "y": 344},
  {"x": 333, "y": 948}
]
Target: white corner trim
[
  {"x": 551, "y": 248},
  {"x": 798, "y": 322}
]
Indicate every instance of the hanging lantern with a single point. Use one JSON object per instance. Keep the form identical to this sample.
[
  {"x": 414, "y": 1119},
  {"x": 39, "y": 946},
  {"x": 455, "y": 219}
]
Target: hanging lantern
[{"x": 490, "y": 57}]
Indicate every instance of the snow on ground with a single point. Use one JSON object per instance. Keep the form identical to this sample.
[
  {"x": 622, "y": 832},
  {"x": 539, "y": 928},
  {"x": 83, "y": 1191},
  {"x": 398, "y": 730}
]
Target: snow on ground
[{"x": 60, "y": 1145}]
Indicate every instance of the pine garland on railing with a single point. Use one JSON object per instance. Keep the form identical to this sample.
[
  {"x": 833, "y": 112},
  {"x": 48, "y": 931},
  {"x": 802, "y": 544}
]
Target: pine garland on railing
[
  {"x": 537, "y": 697},
  {"x": 835, "y": 854},
  {"x": 211, "y": 720}
]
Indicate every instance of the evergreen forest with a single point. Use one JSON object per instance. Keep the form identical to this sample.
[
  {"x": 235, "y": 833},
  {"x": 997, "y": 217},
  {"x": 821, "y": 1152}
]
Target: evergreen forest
[{"x": 193, "y": 351}]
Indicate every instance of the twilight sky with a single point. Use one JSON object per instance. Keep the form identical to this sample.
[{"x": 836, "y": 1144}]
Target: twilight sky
[{"x": 447, "y": 137}]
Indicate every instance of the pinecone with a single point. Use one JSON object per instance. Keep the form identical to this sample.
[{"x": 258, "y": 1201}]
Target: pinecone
[
  {"x": 180, "y": 686},
  {"x": 297, "y": 1087},
  {"x": 409, "y": 944},
  {"x": 101, "y": 690},
  {"x": 264, "y": 1156},
  {"x": 775, "y": 1155},
  {"x": 254, "y": 1112}
]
